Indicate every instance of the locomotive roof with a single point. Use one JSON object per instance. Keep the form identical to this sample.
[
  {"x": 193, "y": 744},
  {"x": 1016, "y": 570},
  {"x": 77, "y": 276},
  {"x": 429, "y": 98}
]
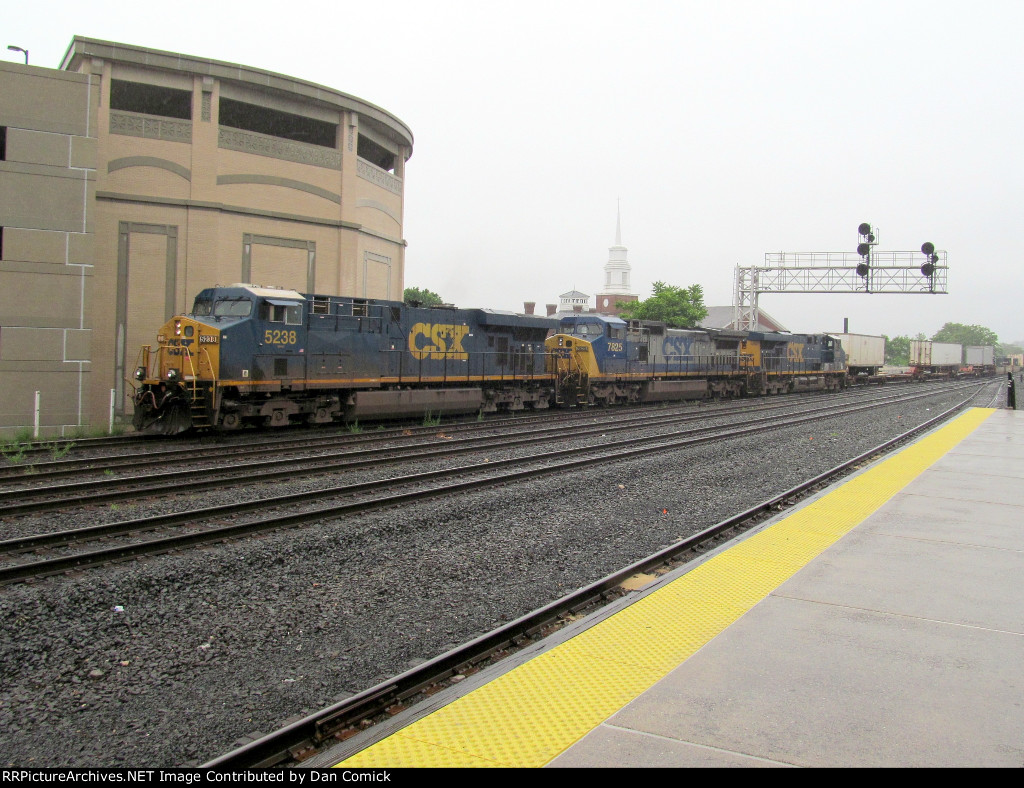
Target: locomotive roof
[
  {"x": 594, "y": 316},
  {"x": 496, "y": 317},
  {"x": 264, "y": 292}
]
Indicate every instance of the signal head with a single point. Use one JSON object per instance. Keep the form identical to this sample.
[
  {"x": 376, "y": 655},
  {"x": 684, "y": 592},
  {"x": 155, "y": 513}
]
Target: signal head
[
  {"x": 927, "y": 269},
  {"x": 862, "y": 269},
  {"x": 864, "y": 229},
  {"x": 863, "y": 249},
  {"x": 928, "y": 247}
]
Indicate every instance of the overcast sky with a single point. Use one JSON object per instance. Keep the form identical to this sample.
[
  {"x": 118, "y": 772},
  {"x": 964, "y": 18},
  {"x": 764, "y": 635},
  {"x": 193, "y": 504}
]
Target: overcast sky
[{"x": 725, "y": 130}]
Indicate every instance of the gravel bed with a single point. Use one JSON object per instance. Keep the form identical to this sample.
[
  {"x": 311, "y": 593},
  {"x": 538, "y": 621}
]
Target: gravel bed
[
  {"x": 167, "y": 662},
  {"x": 710, "y": 414}
]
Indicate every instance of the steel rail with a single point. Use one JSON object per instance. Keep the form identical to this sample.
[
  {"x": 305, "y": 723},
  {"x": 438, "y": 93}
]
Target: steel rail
[
  {"x": 315, "y": 442},
  {"x": 549, "y": 463},
  {"x": 302, "y": 738},
  {"x": 25, "y": 500}
]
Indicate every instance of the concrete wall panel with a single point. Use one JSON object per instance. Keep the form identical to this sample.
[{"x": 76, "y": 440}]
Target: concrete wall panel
[{"x": 42, "y": 296}]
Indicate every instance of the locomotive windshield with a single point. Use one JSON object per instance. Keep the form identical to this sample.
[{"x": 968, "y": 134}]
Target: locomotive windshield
[
  {"x": 582, "y": 329},
  {"x": 232, "y": 307}
]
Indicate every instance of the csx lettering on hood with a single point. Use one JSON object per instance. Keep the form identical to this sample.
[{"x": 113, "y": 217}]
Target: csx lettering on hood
[{"x": 438, "y": 340}]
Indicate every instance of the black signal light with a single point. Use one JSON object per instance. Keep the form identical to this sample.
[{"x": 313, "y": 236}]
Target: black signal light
[{"x": 931, "y": 258}]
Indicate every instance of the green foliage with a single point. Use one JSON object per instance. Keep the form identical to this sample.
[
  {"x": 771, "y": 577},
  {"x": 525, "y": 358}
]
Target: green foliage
[
  {"x": 430, "y": 420},
  {"x": 677, "y": 307},
  {"x": 58, "y": 450},
  {"x": 415, "y": 296},
  {"x": 15, "y": 450},
  {"x": 897, "y": 351},
  {"x": 354, "y": 427},
  {"x": 959, "y": 334}
]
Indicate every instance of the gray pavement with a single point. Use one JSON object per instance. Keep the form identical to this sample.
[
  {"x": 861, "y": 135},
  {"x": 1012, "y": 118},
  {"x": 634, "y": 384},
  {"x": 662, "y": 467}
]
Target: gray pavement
[{"x": 902, "y": 645}]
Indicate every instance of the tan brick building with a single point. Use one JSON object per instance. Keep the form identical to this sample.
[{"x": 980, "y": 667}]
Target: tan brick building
[
  {"x": 213, "y": 173},
  {"x": 47, "y": 216}
]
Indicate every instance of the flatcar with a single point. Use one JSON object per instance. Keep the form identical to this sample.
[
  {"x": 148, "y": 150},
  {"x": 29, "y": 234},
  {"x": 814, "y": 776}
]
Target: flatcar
[{"x": 250, "y": 355}]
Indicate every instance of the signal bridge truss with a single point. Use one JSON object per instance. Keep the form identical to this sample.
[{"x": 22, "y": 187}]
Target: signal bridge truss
[{"x": 833, "y": 272}]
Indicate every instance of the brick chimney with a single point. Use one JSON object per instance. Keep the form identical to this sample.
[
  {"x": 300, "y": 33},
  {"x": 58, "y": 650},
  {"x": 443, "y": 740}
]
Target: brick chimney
[
  {"x": 552, "y": 308},
  {"x": 528, "y": 307}
]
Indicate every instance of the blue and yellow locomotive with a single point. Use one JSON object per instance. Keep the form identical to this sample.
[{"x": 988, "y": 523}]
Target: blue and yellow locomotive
[
  {"x": 600, "y": 359},
  {"x": 249, "y": 355}
]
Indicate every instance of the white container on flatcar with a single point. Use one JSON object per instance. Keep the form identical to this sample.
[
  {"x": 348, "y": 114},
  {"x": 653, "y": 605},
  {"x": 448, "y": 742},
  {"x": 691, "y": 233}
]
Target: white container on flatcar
[
  {"x": 925, "y": 353},
  {"x": 981, "y": 355},
  {"x": 865, "y": 354},
  {"x": 945, "y": 354}
]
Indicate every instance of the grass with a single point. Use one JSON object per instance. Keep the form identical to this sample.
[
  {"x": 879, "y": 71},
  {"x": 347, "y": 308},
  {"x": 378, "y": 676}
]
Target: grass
[
  {"x": 15, "y": 450},
  {"x": 354, "y": 427},
  {"x": 430, "y": 420}
]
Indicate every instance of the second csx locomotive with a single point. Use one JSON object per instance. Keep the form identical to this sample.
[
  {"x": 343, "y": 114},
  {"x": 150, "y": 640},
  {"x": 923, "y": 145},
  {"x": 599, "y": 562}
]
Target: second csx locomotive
[{"x": 249, "y": 355}]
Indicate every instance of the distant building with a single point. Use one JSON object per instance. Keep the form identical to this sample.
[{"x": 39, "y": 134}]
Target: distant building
[
  {"x": 131, "y": 178},
  {"x": 574, "y": 301},
  {"x": 725, "y": 317},
  {"x": 616, "y": 288}
]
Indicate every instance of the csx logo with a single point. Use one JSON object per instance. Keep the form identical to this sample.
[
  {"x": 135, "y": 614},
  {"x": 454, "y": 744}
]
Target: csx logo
[
  {"x": 795, "y": 352},
  {"x": 437, "y": 340},
  {"x": 179, "y": 347}
]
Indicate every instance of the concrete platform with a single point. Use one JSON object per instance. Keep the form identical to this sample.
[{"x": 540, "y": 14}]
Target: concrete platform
[
  {"x": 901, "y": 645},
  {"x": 879, "y": 624}
]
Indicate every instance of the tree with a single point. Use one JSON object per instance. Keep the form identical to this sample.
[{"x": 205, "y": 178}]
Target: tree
[
  {"x": 959, "y": 334},
  {"x": 678, "y": 307},
  {"x": 415, "y": 296},
  {"x": 897, "y": 351}
]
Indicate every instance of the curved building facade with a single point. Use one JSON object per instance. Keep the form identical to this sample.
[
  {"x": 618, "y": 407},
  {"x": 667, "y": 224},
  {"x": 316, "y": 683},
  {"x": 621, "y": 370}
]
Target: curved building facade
[{"x": 213, "y": 173}]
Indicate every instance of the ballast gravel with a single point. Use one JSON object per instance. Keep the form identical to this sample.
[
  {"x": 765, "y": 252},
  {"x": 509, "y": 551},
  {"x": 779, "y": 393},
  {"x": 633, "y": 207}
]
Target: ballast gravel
[{"x": 169, "y": 661}]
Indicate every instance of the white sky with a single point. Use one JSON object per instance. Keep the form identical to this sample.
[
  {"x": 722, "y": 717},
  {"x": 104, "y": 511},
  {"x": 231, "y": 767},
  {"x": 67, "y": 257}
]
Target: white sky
[{"x": 726, "y": 129}]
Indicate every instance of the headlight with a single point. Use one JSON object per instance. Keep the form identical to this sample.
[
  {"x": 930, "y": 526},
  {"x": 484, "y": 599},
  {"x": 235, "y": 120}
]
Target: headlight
[
  {"x": 172, "y": 374},
  {"x": 177, "y": 328},
  {"x": 140, "y": 373}
]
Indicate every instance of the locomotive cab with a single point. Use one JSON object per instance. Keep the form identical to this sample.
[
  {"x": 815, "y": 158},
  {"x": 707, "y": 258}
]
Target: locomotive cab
[{"x": 180, "y": 383}]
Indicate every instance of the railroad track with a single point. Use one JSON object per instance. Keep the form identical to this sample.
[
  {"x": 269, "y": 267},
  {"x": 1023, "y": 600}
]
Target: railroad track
[
  {"x": 113, "y": 489},
  {"x": 181, "y": 530},
  {"x": 311, "y": 441},
  {"x": 350, "y": 725}
]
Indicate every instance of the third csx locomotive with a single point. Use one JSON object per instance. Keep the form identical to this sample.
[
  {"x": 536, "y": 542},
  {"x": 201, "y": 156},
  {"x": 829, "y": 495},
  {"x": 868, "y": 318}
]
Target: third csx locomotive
[{"x": 249, "y": 355}]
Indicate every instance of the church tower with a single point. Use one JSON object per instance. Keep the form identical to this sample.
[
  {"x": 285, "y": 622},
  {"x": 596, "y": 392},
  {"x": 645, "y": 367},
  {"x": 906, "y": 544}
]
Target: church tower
[{"x": 616, "y": 275}]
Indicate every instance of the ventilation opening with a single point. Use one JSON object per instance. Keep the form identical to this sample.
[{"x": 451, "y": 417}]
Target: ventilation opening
[
  {"x": 249, "y": 117},
  {"x": 150, "y": 99},
  {"x": 376, "y": 154},
  {"x": 3, "y": 143}
]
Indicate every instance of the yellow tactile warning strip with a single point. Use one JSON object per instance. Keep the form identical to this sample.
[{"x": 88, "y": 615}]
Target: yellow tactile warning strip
[{"x": 529, "y": 715}]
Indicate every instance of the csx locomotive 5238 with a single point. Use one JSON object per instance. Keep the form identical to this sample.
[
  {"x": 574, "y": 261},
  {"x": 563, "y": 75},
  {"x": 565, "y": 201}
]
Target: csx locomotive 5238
[{"x": 250, "y": 355}]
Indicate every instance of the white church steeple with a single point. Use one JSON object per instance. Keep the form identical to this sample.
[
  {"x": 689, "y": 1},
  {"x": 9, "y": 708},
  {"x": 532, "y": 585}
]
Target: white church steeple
[{"x": 617, "y": 269}]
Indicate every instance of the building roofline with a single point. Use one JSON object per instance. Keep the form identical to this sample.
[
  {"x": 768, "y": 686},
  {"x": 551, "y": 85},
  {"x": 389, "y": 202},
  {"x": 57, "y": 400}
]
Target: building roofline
[{"x": 82, "y": 48}]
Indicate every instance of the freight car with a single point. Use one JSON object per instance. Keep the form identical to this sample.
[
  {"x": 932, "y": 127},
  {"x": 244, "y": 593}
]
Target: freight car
[
  {"x": 935, "y": 359},
  {"x": 865, "y": 354},
  {"x": 248, "y": 355}
]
